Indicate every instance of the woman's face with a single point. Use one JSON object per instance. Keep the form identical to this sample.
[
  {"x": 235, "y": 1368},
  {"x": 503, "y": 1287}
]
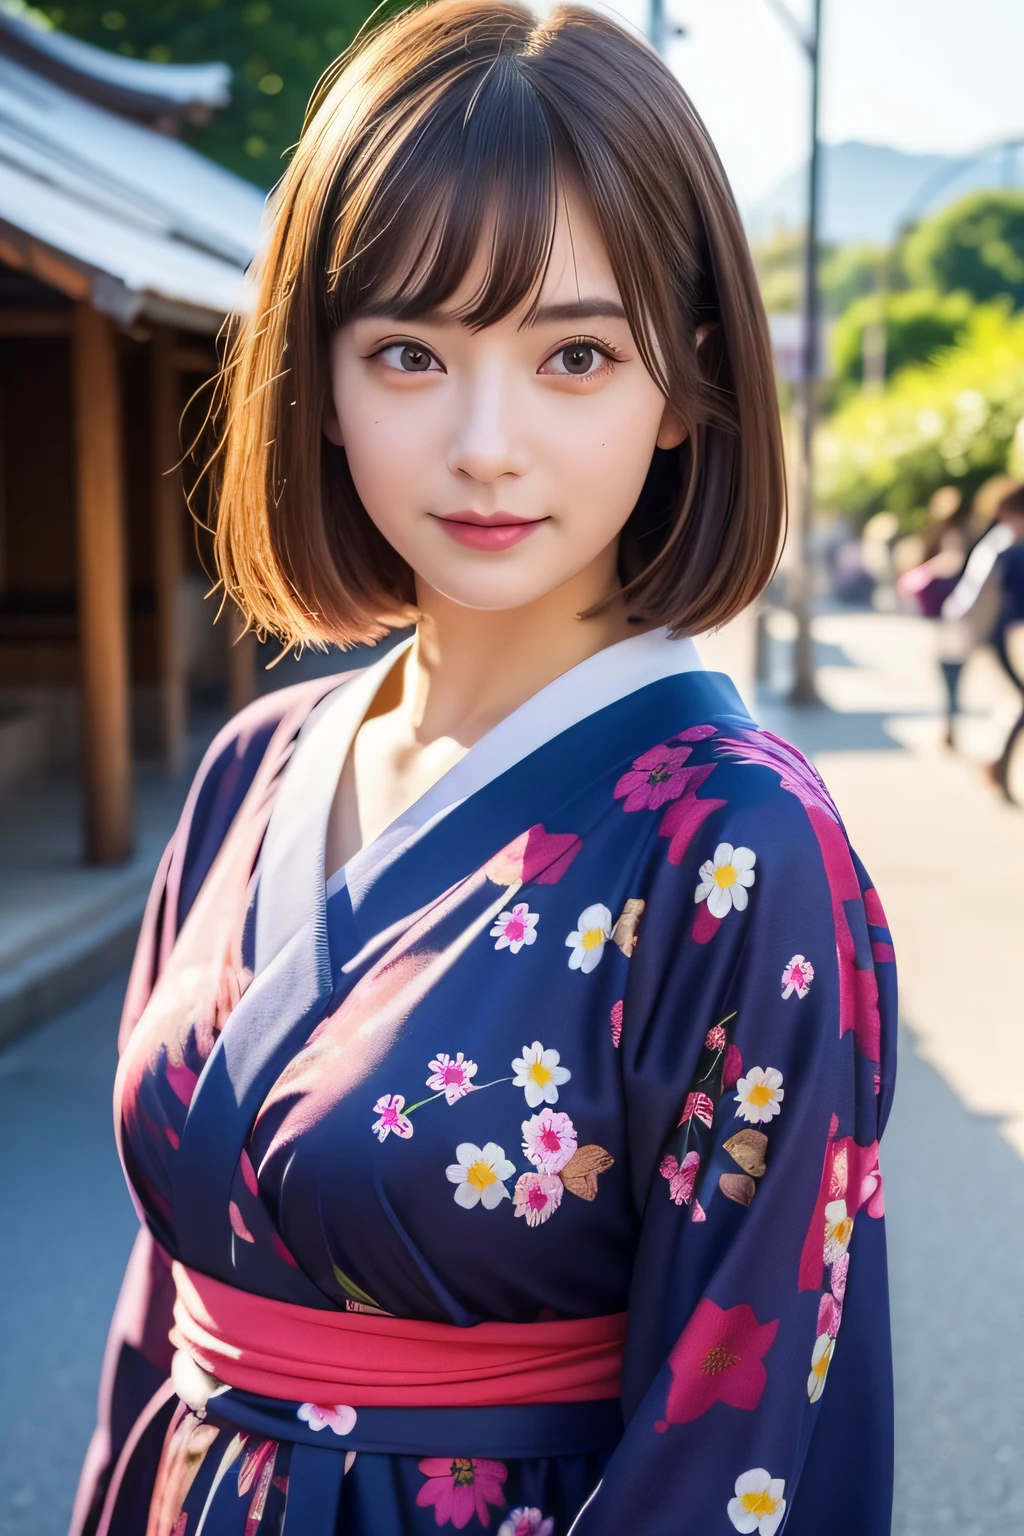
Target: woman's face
[{"x": 503, "y": 464}]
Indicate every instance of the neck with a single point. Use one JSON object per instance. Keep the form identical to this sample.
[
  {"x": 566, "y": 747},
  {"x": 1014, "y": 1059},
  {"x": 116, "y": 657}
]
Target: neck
[{"x": 470, "y": 668}]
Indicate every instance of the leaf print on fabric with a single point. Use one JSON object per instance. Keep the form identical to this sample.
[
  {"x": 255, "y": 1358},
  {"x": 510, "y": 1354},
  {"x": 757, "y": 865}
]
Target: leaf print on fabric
[
  {"x": 587, "y": 941},
  {"x": 549, "y": 1140},
  {"x": 526, "y": 1522},
  {"x": 821, "y": 1358},
  {"x": 718, "y": 1358},
  {"x": 479, "y": 1175},
  {"x": 539, "y": 1073},
  {"x": 738, "y": 1187},
  {"x": 760, "y": 1095},
  {"x": 451, "y": 1077},
  {"x": 388, "y": 1109},
  {"x": 340, "y": 1418},
  {"x": 725, "y": 880},
  {"x": 238, "y": 1225},
  {"x": 627, "y": 925},
  {"x": 515, "y": 928},
  {"x": 580, "y": 1173},
  {"x": 535, "y": 857},
  {"x": 616, "y": 1022},
  {"x": 256, "y": 1475},
  {"x": 758, "y": 1505},
  {"x": 681, "y": 1176},
  {"x": 537, "y": 1196},
  {"x": 797, "y": 977},
  {"x": 747, "y": 1148},
  {"x": 461, "y": 1488}
]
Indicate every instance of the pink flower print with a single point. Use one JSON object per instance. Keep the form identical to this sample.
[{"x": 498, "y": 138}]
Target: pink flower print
[
  {"x": 452, "y": 1078},
  {"x": 389, "y": 1108},
  {"x": 829, "y": 1315},
  {"x": 655, "y": 778},
  {"x": 871, "y": 1197},
  {"x": 516, "y": 928},
  {"x": 616, "y": 1020},
  {"x": 715, "y": 1037},
  {"x": 534, "y": 857},
  {"x": 526, "y": 1522},
  {"x": 840, "y": 1270},
  {"x": 238, "y": 1225},
  {"x": 180, "y": 1526},
  {"x": 681, "y": 1176},
  {"x": 248, "y": 1173},
  {"x": 549, "y": 1140},
  {"x": 341, "y": 1419},
  {"x": 797, "y": 977},
  {"x": 698, "y": 1212},
  {"x": 461, "y": 1488},
  {"x": 698, "y": 1106},
  {"x": 718, "y": 1358},
  {"x": 537, "y": 1196}
]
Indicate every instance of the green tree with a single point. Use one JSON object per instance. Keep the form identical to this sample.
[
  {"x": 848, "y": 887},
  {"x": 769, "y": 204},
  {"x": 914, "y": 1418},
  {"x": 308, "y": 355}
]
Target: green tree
[
  {"x": 844, "y": 272},
  {"x": 277, "y": 52},
  {"x": 918, "y": 323},
  {"x": 950, "y": 421},
  {"x": 976, "y": 245}
]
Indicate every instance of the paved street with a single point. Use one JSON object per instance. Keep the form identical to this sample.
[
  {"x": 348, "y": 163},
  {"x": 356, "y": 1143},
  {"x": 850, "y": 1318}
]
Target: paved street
[{"x": 948, "y": 858}]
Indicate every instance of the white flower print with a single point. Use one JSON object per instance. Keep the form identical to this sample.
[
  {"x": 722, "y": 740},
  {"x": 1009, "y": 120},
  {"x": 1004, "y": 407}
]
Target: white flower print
[
  {"x": 341, "y": 1418},
  {"x": 821, "y": 1356},
  {"x": 452, "y": 1078},
  {"x": 760, "y": 1095},
  {"x": 725, "y": 879},
  {"x": 479, "y": 1175},
  {"x": 516, "y": 928},
  {"x": 389, "y": 1108},
  {"x": 549, "y": 1140},
  {"x": 527, "y": 1522},
  {"x": 587, "y": 941},
  {"x": 538, "y": 1072},
  {"x": 797, "y": 977},
  {"x": 758, "y": 1505},
  {"x": 838, "y": 1230}
]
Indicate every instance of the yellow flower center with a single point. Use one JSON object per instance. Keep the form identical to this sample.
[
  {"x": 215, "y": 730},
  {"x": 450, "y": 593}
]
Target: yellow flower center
[
  {"x": 759, "y": 1504},
  {"x": 540, "y": 1074},
  {"x": 592, "y": 937},
  {"x": 725, "y": 875},
  {"x": 820, "y": 1367},
  {"x": 462, "y": 1472},
  {"x": 760, "y": 1095},
  {"x": 480, "y": 1174}
]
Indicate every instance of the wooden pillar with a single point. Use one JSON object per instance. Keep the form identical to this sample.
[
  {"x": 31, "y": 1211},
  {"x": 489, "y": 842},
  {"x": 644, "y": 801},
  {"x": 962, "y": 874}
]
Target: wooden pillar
[
  {"x": 168, "y": 542},
  {"x": 102, "y": 587},
  {"x": 241, "y": 663}
]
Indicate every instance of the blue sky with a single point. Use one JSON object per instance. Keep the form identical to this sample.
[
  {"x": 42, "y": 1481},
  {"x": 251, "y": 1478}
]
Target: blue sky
[{"x": 943, "y": 75}]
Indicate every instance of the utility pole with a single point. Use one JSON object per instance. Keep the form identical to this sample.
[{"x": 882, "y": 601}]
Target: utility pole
[{"x": 803, "y": 690}]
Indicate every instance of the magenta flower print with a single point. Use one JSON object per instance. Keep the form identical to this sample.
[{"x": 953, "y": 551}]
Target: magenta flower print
[
  {"x": 537, "y": 1197},
  {"x": 656, "y": 777},
  {"x": 452, "y": 1078},
  {"x": 697, "y": 1107},
  {"x": 389, "y": 1108},
  {"x": 719, "y": 1358},
  {"x": 340, "y": 1418},
  {"x": 616, "y": 1022},
  {"x": 461, "y": 1488},
  {"x": 549, "y": 1140},
  {"x": 797, "y": 977},
  {"x": 526, "y": 1522},
  {"x": 715, "y": 1037},
  {"x": 830, "y": 1314},
  {"x": 238, "y": 1225},
  {"x": 515, "y": 928},
  {"x": 534, "y": 857},
  {"x": 681, "y": 1176}
]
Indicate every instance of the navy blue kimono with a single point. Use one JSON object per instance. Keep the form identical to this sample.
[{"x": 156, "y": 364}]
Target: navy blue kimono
[{"x": 604, "y": 1025}]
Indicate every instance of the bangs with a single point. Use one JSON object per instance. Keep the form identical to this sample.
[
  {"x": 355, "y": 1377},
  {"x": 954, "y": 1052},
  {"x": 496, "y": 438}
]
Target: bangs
[{"x": 479, "y": 171}]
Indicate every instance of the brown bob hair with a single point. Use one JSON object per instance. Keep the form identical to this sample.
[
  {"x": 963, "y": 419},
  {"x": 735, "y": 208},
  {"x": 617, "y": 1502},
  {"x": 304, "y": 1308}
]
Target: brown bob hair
[{"x": 445, "y": 126}]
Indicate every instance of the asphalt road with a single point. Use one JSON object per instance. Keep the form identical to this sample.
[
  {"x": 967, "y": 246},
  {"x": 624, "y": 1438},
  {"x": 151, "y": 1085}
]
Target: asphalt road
[{"x": 955, "y": 1196}]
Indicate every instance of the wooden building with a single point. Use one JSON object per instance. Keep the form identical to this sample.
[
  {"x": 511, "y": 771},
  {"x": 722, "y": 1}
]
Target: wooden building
[{"x": 121, "y": 251}]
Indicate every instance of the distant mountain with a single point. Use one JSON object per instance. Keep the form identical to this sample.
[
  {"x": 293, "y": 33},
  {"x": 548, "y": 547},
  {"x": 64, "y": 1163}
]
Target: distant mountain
[{"x": 868, "y": 190}]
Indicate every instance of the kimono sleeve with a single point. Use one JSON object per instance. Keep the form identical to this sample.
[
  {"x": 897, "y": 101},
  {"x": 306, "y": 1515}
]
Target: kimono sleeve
[{"x": 757, "y": 1060}]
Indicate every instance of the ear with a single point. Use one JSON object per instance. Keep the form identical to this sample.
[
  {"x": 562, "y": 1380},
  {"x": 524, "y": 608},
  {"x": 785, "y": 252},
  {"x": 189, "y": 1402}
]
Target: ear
[
  {"x": 673, "y": 429},
  {"x": 331, "y": 424}
]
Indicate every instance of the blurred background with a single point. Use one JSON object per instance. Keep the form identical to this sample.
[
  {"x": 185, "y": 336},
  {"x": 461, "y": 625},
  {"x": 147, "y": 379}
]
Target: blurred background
[{"x": 876, "y": 148}]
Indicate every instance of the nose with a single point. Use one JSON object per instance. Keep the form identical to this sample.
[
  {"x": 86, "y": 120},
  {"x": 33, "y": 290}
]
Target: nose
[{"x": 488, "y": 440}]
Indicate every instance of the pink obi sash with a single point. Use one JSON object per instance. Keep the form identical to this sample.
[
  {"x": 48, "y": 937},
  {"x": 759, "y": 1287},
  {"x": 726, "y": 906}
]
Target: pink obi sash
[{"x": 302, "y": 1354}]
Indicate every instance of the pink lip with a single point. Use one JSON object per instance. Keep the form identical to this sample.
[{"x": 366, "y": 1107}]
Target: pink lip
[{"x": 499, "y": 530}]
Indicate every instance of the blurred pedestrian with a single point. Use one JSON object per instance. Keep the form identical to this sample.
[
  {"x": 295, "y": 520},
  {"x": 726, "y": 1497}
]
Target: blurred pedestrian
[
  {"x": 1010, "y": 619},
  {"x": 969, "y": 614}
]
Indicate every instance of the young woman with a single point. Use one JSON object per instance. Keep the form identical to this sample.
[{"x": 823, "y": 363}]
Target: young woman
[{"x": 510, "y": 1036}]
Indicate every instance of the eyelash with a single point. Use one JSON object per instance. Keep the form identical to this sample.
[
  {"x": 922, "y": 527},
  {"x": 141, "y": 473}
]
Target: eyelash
[{"x": 598, "y": 344}]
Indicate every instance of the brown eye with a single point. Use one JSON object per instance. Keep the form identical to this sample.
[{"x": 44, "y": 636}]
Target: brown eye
[
  {"x": 577, "y": 359},
  {"x": 414, "y": 359}
]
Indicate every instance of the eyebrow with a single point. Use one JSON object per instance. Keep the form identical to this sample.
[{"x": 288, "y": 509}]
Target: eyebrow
[{"x": 581, "y": 309}]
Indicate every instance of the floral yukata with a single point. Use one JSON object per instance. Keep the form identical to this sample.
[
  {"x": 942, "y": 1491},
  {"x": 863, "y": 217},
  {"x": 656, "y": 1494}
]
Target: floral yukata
[{"x": 603, "y": 1025}]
